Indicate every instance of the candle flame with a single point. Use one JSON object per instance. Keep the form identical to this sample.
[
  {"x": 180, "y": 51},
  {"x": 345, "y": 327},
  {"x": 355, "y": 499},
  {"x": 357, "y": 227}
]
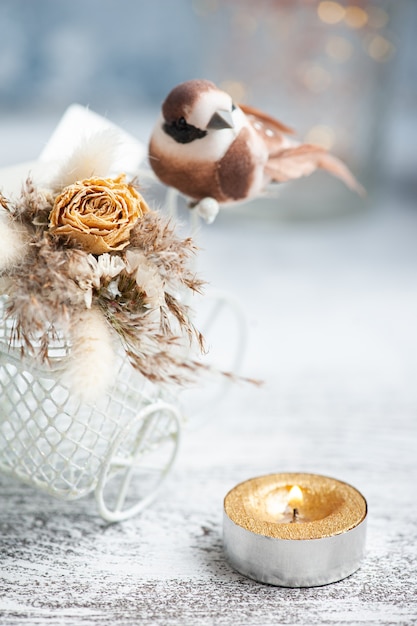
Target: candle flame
[{"x": 295, "y": 497}]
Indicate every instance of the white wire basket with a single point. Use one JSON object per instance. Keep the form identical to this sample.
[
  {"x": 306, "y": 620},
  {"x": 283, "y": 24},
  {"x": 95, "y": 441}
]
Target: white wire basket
[{"x": 121, "y": 447}]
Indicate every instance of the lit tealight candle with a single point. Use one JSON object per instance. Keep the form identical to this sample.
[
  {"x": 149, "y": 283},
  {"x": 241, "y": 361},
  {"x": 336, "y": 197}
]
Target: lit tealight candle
[
  {"x": 294, "y": 530},
  {"x": 295, "y": 500}
]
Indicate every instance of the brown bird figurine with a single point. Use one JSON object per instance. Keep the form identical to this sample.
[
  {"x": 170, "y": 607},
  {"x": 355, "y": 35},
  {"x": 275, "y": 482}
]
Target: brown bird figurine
[{"x": 211, "y": 150}]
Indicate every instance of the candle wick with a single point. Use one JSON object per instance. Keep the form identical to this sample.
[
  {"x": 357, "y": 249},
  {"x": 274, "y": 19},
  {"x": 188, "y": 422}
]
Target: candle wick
[{"x": 294, "y": 515}]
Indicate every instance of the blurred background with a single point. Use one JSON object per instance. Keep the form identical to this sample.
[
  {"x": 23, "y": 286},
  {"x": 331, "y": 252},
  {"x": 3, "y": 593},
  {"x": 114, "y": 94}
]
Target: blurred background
[{"x": 331, "y": 275}]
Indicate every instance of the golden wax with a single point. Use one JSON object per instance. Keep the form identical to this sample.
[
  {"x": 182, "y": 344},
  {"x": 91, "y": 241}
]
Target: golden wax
[{"x": 328, "y": 507}]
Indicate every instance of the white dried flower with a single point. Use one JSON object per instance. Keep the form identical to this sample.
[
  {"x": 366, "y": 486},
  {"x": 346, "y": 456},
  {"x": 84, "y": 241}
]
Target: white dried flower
[
  {"x": 109, "y": 266},
  {"x": 147, "y": 278},
  {"x": 83, "y": 271}
]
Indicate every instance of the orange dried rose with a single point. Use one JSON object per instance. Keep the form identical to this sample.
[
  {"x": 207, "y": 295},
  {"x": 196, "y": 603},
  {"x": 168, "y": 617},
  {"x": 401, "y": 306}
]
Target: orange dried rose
[{"x": 98, "y": 212}]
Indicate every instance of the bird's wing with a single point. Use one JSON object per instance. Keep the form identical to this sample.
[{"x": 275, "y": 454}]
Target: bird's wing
[
  {"x": 235, "y": 170},
  {"x": 266, "y": 120},
  {"x": 303, "y": 160}
]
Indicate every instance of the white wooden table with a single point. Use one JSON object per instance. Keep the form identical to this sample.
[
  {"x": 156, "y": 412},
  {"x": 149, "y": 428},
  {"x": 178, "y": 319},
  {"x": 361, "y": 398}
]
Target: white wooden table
[{"x": 332, "y": 314}]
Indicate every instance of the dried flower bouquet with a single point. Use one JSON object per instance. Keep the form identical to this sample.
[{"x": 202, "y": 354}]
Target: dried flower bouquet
[{"x": 86, "y": 260}]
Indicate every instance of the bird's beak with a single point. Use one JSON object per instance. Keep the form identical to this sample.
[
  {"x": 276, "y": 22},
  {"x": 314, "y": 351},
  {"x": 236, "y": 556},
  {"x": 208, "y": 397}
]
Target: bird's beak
[{"x": 221, "y": 119}]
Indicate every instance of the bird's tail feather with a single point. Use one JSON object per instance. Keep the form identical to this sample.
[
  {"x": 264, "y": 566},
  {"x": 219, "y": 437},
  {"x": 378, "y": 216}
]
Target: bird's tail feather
[
  {"x": 303, "y": 160},
  {"x": 336, "y": 167}
]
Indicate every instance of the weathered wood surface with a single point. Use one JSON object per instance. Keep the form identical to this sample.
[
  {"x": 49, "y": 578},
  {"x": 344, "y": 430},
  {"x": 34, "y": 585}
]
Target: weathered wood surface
[{"x": 332, "y": 314}]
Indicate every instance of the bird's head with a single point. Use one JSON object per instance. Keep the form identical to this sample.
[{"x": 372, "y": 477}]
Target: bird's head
[{"x": 197, "y": 108}]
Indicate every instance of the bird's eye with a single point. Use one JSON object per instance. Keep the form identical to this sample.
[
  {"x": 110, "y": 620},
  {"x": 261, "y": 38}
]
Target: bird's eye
[
  {"x": 182, "y": 132},
  {"x": 233, "y": 107}
]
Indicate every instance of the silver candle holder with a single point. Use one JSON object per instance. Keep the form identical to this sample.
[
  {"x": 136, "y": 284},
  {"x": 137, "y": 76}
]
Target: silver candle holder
[{"x": 294, "y": 530}]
